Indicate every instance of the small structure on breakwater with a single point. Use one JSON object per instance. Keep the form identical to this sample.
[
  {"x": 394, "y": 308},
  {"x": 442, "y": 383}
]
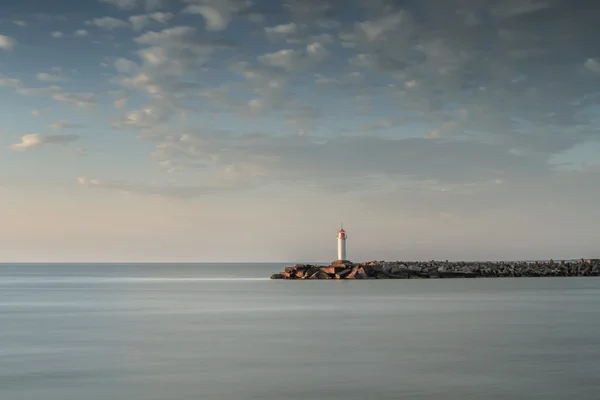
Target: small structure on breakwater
[{"x": 341, "y": 241}]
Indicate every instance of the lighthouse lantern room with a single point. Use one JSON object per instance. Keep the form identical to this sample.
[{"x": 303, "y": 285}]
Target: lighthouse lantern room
[{"x": 341, "y": 239}]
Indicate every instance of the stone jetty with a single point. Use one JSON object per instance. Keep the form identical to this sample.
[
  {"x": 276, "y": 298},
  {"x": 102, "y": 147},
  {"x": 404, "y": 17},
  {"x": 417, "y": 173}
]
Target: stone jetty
[{"x": 440, "y": 269}]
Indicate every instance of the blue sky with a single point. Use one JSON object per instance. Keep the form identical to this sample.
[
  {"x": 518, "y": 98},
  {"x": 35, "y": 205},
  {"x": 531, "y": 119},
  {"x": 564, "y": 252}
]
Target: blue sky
[{"x": 235, "y": 130}]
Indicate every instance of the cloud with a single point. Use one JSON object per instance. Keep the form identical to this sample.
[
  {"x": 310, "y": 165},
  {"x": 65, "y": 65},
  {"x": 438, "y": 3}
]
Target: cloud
[
  {"x": 82, "y": 100},
  {"x": 282, "y": 29},
  {"x": 167, "y": 57},
  {"x": 459, "y": 84},
  {"x": 291, "y": 60},
  {"x": 39, "y": 91},
  {"x": 495, "y": 75},
  {"x": 516, "y": 8},
  {"x": 10, "y": 82},
  {"x": 124, "y": 65},
  {"x": 139, "y": 22},
  {"x": 81, "y": 33},
  {"x": 592, "y": 65},
  {"x": 157, "y": 190},
  {"x": 57, "y": 34},
  {"x": 36, "y": 140},
  {"x": 108, "y": 23},
  {"x": 349, "y": 162},
  {"x": 7, "y": 43},
  {"x": 179, "y": 35},
  {"x": 45, "y": 77},
  {"x": 20, "y": 23},
  {"x": 64, "y": 125},
  {"x": 143, "y": 82},
  {"x": 131, "y": 4},
  {"x": 120, "y": 103},
  {"x": 375, "y": 29},
  {"x": 217, "y": 14},
  {"x": 147, "y": 117},
  {"x": 36, "y": 113}
]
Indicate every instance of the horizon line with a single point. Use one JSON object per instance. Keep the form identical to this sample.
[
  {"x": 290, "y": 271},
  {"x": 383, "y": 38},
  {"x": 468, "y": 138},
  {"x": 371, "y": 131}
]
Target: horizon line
[{"x": 276, "y": 262}]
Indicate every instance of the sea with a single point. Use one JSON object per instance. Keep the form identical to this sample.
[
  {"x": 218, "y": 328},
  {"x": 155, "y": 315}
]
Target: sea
[{"x": 227, "y": 332}]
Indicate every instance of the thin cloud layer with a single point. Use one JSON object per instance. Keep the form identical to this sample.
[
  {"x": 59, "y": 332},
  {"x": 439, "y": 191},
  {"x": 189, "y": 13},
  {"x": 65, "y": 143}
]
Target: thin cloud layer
[
  {"x": 7, "y": 43},
  {"x": 482, "y": 83},
  {"x": 441, "y": 109},
  {"x": 35, "y": 140}
]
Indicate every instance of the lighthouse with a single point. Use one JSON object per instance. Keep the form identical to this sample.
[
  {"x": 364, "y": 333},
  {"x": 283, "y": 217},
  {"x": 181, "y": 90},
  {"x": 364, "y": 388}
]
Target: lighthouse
[{"x": 341, "y": 239}]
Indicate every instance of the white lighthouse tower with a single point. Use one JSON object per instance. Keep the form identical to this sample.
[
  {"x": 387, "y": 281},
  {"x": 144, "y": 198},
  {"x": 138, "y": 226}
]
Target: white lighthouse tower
[{"x": 341, "y": 239}]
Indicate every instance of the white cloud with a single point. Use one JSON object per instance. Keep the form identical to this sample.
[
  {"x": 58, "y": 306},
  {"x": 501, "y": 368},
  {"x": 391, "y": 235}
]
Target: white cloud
[
  {"x": 45, "y": 77},
  {"x": 36, "y": 113},
  {"x": 374, "y": 29},
  {"x": 592, "y": 65},
  {"x": 131, "y": 4},
  {"x": 148, "y": 117},
  {"x": 124, "y": 65},
  {"x": 433, "y": 134},
  {"x": 176, "y": 35},
  {"x": 20, "y": 23},
  {"x": 172, "y": 53},
  {"x": 161, "y": 17},
  {"x": 142, "y": 82},
  {"x": 39, "y": 91},
  {"x": 35, "y": 140},
  {"x": 63, "y": 125},
  {"x": 10, "y": 82},
  {"x": 316, "y": 51},
  {"x": 120, "y": 103},
  {"x": 57, "y": 34},
  {"x": 217, "y": 14},
  {"x": 82, "y": 100},
  {"x": 158, "y": 190},
  {"x": 295, "y": 33},
  {"x": 515, "y": 8},
  {"x": 139, "y": 22},
  {"x": 283, "y": 29},
  {"x": 7, "y": 43},
  {"x": 216, "y": 20},
  {"x": 125, "y": 4},
  {"x": 363, "y": 60},
  {"x": 108, "y": 23},
  {"x": 291, "y": 60},
  {"x": 81, "y": 33},
  {"x": 267, "y": 83}
]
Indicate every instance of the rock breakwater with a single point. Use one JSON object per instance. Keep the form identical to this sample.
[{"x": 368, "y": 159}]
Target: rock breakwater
[{"x": 440, "y": 269}]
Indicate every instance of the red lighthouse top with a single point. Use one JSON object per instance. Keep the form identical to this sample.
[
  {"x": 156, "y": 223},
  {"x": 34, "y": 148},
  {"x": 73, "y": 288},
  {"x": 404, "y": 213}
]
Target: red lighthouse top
[{"x": 342, "y": 233}]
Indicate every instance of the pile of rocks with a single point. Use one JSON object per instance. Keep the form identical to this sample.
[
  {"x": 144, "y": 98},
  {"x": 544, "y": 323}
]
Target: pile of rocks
[{"x": 439, "y": 269}]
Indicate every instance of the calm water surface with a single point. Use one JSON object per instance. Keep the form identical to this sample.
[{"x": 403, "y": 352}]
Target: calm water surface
[{"x": 162, "y": 332}]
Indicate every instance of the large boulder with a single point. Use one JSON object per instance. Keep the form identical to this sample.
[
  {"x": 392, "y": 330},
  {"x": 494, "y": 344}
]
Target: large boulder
[
  {"x": 343, "y": 274},
  {"x": 330, "y": 270},
  {"x": 361, "y": 274},
  {"x": 323, "y": 275}
]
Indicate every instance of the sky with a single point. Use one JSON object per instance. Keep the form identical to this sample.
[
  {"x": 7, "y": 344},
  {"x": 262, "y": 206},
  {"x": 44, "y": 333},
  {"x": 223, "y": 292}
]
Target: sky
[{"x": 248, "y": 130}]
